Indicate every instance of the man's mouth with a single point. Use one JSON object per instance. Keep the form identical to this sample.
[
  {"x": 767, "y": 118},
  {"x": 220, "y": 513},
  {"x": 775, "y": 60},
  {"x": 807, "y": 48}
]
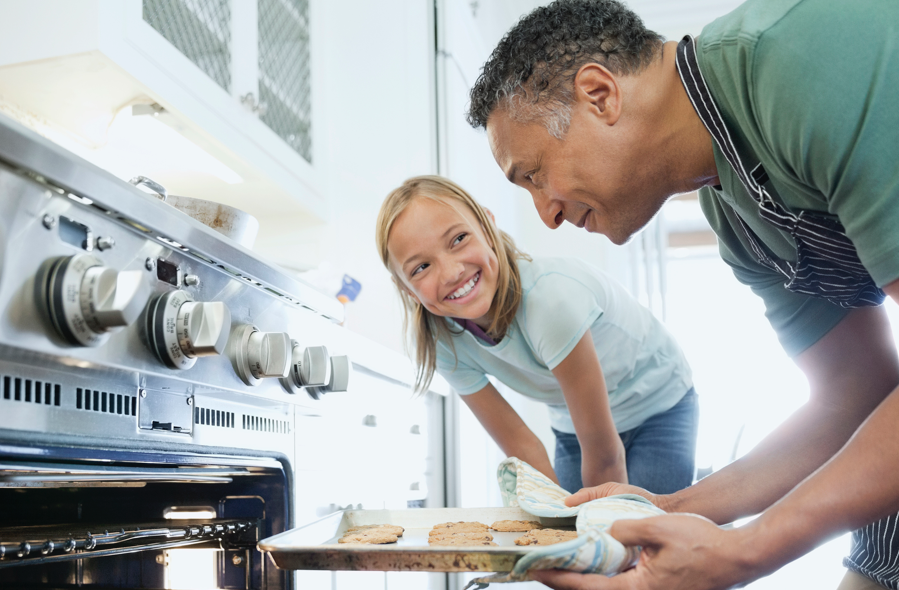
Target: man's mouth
[
  {"x": 583, "y": 221},
  {"x": 466, "y": 288}
]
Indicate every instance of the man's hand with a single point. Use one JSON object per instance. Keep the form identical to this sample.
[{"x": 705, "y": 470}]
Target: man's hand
[
  {"x": 612, "y": 489},
  {"x": 680, "y": 552}
]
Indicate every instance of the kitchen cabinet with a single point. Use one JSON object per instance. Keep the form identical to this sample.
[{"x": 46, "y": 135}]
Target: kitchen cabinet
[
  {"x": 239, "y": 78},
  {"x": 370, "y": 448}
]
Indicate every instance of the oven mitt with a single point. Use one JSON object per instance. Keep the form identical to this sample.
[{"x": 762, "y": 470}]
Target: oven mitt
[
  {"x": 594, "y": 551},
  {"x": 523, "y": 486}
]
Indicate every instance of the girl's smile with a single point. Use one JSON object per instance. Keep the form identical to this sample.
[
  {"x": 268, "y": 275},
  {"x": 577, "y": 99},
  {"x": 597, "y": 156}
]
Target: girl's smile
[
  {"x": 441, "y": 256},
  {"x": 459, "y": 295}
]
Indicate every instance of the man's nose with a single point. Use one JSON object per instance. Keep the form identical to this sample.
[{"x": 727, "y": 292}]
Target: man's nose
[{"x": 550, "y": 210}]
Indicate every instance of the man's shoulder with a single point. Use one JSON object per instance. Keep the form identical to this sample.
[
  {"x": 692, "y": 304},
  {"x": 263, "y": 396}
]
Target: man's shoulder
[{"x": 746, "y": 23}]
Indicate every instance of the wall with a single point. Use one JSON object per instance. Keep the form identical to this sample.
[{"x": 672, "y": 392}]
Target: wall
[{"x": 379, "y": 100}]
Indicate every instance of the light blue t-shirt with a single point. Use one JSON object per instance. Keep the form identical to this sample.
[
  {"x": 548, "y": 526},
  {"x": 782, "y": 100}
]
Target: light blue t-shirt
[{"x": 644, "y": 368}]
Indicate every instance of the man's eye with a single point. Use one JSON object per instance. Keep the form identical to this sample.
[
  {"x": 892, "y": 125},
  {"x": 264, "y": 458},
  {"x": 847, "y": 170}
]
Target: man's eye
[
  {"x": 459, "y": 238},
  {"x": 418, "y": 269}
]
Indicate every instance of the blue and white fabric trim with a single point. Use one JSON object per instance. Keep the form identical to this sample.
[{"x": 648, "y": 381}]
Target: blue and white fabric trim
[
  {"x": 593, "y": 552},
  {"x": 522, "y": 485}
]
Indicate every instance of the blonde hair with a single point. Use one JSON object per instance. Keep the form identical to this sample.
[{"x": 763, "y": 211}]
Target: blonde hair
[{"x": 425, "y": 328}]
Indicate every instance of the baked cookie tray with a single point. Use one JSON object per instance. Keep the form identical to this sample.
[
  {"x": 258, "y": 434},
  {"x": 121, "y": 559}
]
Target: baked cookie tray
[{"x": 314, "y": 546}]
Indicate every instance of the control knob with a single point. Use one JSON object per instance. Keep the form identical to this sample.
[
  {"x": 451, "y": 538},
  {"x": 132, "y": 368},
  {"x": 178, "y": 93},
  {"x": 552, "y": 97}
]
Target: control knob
[
  {"x": 339, "y": 381},
  {"x": 180, "y": 329},
  {"x": 309, "y": 367},
  {"x": 86, "y": 301},
  {"x": 257, "y": 355},
  {"x": 313, "y": 370}
]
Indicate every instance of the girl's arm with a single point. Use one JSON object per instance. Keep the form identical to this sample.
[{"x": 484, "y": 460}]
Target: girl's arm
[
  {"x": 602, "y": 452},
  {"x": 508, "y": 430}
]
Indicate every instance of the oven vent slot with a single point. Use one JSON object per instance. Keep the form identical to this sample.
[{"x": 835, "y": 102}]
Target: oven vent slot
[
  {"x": 94, "y": 400},
  {"x": 211, "y": 417},
  {"x": 262, "y": 424},
  {"x": 30, "y": 390}
]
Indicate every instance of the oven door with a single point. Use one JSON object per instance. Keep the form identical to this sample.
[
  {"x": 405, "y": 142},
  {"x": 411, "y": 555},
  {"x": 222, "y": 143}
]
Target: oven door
[{"x": 84, "y": 517}]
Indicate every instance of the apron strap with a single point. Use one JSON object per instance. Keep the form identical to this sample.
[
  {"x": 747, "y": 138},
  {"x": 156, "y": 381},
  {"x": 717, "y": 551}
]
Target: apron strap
[{"x": 704, "y": 104}]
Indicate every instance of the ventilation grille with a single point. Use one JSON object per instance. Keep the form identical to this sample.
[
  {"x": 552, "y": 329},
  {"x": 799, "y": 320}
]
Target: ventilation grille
[
  {"x": 94, "y": 400},
  {"x": 199, "y": 29},
  {"x": 285, "y": 80},
  {"x": 210, "y": 417},
  {"x": 29, "y": 390},
  {"x": 262, "y": 424}
]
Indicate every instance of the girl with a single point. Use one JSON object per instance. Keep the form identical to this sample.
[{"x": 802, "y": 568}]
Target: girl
[{"x": 618, "y": 388}]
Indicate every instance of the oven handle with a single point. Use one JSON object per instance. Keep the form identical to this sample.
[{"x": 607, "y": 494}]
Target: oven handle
[
  {"x": 31, "y": 474},
  {"x": 6, "y": 480}
]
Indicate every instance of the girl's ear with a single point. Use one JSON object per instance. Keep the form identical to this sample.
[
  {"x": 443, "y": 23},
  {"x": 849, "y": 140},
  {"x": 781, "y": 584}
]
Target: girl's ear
[
  {"x": 484, "y": 229},
  {"x": 490, "y": 215},
  {"x": 403, "y": 288}
]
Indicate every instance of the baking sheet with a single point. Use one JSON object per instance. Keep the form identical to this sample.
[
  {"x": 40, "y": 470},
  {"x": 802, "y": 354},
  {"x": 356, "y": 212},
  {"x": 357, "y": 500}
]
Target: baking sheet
[{"x": 314, "y": 546}]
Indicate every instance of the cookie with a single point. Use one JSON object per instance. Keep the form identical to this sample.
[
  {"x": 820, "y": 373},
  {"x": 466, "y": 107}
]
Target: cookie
[
  {"x": 368, "y": 537},
  {"x": 458, "y": 527},
  {"x": 545, "y": 537},
  {"x": 515, "y": 526},
  {"x": 388, "y": 528}
]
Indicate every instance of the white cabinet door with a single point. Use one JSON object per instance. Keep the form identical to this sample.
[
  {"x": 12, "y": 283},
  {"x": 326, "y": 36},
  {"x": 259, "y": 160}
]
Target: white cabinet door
[
  {"x": 260, "y": 53},
  {"x": 284, "y": 76},
  {"x": 236, "y": 77}
]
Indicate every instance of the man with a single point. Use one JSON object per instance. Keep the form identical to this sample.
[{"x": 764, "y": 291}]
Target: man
[{"x": 783, "y": 114}]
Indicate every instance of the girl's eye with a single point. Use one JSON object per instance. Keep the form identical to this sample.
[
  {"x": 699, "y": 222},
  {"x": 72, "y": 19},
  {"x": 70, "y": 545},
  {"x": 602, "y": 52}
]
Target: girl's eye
[
  {"x": 459, "y": 238},
  {"x": 418, "y": 269}
]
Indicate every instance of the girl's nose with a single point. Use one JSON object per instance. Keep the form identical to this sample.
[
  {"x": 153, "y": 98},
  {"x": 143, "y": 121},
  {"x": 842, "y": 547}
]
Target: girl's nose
[{"x": 453, "y": 271}]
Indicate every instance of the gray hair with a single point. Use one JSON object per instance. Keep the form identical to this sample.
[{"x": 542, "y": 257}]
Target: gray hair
[{"x": 530, "y": 74}]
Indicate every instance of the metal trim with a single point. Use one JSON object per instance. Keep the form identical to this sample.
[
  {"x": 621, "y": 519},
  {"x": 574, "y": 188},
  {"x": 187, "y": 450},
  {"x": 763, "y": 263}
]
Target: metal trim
[{"x": 44, "y": 161}]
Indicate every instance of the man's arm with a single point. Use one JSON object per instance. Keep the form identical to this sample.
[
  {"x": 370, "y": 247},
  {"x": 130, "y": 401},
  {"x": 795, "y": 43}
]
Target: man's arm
[
  {"x": 850, "y": 370},
  {"x": 584, "y": 387},
  {"x": 508, "y": 430},
  {"x": 859, "y": 485}
]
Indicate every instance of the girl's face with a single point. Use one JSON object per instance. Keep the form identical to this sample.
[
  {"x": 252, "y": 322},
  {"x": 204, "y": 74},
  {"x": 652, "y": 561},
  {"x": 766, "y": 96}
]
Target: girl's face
[{"x": 443, "y": 258}]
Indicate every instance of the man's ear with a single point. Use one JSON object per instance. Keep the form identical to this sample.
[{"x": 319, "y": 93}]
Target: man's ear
[{"x": 598, "y": 89}]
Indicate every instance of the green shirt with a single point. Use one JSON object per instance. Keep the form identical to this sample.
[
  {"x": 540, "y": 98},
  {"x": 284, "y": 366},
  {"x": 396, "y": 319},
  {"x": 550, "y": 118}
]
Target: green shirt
[{"x": 809, "y": 88}]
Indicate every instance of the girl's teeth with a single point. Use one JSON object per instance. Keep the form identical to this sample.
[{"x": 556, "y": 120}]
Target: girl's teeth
[{"x": 466, "y": 288}]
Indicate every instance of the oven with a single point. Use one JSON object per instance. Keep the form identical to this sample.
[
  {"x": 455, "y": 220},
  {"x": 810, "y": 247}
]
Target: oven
[
  {"x": 117, "y": 518},
  {"x": 153, "y": 379}
]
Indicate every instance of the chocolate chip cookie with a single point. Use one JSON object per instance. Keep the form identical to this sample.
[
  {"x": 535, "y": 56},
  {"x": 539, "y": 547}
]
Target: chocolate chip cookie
[
  {"x": 545, "y": 537},
  {"x": 515, "y": 526}
]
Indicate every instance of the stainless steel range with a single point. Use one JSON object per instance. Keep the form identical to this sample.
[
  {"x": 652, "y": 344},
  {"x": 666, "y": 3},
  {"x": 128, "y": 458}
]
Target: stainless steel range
[{"x": 152, "y": 378}]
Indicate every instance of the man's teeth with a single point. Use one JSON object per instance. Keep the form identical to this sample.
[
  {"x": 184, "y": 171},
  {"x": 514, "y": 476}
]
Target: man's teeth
[{"x": 466, "y": 288}]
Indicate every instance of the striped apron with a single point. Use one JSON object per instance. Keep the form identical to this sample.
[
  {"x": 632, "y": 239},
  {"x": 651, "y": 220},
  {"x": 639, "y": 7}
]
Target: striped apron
[{"x": 827, "y": 266}]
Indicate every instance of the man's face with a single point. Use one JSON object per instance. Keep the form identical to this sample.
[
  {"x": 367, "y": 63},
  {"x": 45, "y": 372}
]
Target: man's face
[{"x": 597, "y": 177}]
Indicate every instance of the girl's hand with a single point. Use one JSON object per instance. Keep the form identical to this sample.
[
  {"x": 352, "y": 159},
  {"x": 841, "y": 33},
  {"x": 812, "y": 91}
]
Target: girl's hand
[{"x": 613, "y": 489}]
